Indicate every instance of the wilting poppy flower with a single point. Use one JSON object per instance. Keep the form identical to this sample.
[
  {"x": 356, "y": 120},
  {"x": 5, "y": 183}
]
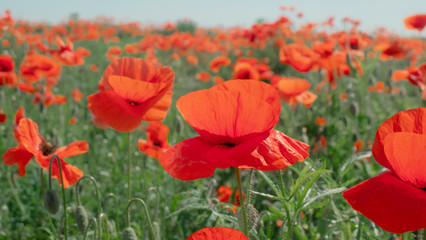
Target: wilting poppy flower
[
  {"x": 217, "y": 233},
  {"x": 32, "y": 144},
  {"x": 156, "y": 140},
  {"x": 7, "y": 74},
  {"x": 135, "y": 91},
  {"x": 235, "y": 121},
  {"x": 218, "y": 62},
  {"x": 395, "y": 200},
  {"x": 415, "y": 22}
]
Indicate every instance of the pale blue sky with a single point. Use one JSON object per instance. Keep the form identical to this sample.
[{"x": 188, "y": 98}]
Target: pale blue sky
[{"x": 372, "y": 13}]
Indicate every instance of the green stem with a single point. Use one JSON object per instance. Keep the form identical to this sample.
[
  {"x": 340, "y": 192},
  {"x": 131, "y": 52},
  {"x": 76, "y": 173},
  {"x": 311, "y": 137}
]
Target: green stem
[
  {"x": 151, "y": 229},
  {"x": 42, "y": 181},
  {"x": 243, "y": 207},
  {"x": 129, "y": 166},
  {"x": 112, "y": 195},
  {"x": 289, "y": 222},
  {"x": 281, "y": 183},
  {"x": 252, "y": 171},
  {"x": 97, "y": 196},
  {"x": 63, "y": 191},
  {"x": 424, "y": 233}
]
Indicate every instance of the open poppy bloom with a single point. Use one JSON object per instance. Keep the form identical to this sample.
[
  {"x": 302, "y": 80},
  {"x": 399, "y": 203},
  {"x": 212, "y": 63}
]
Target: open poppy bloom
[
  {"x": 294, "y": 90},
  {"x": 218, "y": 62},
  {"x": 218, "y": 233},
  {"x": 395, "y": 200},
  {"x": 244, "y": 70},
  {"x": 32, "y": 144},
  {"x": 134, "y": 91},
  {"x": 66, "y": 54},
  {"x": 299, "y": 56},
  {"x": 156, "y": 140},
  {"x": 35, "y": 66},
  {"x": 7, "y": 74},
  {"x": 416, "y": 75},
  {"x": 415, "y": 22},
  {"x": 235, "y": 121}
]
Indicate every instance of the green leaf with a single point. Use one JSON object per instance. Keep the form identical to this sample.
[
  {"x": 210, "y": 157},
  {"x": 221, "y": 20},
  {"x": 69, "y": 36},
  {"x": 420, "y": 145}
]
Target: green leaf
[
  {"x": 304, "y": 177},
  {"x": 325, "y": 193},
  {"x": 270, "y": 182}
]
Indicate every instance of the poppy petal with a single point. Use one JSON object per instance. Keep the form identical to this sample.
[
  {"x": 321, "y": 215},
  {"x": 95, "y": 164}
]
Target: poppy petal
[
  {"x": 392, "y": 204},
  {"x": 74, "y": 148},
  {"x": 29, "y": 136},
  {"x": 411, "y": 121},
  {"x": 224, "y": 116},
  {"x": 269, "y": 151},
  {"x": 134, "y": 90},
  {"x": 405, "y": 153},
  {"x": 187, "y": 160},
  {"x": 293, "y": 86},
  {"x": 135, "y": 68},
  {"x": 259, "y": 89},
  {"x": 110, "y": 108},
  {"x": 217, "y": 233},
  {"x": 17, "y": 155}
]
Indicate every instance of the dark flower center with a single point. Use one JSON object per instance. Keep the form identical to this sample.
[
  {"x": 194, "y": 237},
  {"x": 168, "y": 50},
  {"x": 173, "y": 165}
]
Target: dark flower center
[
  {"x": 47, "y": 148},
  {"x": 157, "y": 143},
  {"x": 228, "y": 144},
  {"x": 133, "y": 103}
]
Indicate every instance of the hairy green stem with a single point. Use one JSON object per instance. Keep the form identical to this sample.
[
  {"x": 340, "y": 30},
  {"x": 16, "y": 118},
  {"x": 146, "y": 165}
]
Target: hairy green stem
[
  {"x": 151, "y": 229},
  {"x": 63, "y": 191},
  {"x": 243, "y": 207},
  {"x": 129, "y": 166}
]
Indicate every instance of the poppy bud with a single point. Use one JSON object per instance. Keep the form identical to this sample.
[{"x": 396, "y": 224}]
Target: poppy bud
[
  {"x": 81, "y": 219},
  {"x": 129, "y": 234},
  {"x": 354, "y": 109},
  {"x": 51, "y": 201}
]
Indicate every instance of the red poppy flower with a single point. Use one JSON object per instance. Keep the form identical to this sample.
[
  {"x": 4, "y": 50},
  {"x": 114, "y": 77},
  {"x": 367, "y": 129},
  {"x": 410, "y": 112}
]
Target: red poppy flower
[
  {"x": 224, "y": 193},
  {"x": 35, "y": 66},
  {"x": 415, "y": 22},
  {"x": 218, "y": 62},
  {"x": 395, "y": 200},
  {"x": 66, "y": 54},
  {"x": 217, "y": 233},
  {"x": 7, "y": 74},
  {"x": 299, "y": 56},
  {"x": 294, "y": 90},
  {"x": 235, "y": 121},
  {"x": 76, "y": 95},
  {"x": 32, "y": 144},
  {"x": 156, "y": 140},
  {"x": 244, "y": 70},
  {"x": 135, "y": 91}
]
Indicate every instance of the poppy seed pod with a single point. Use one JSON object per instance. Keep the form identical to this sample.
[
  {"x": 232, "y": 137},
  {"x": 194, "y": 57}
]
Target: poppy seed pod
[
  {"x": 51, "y": 201},
  {"x": 129, "y": 234},
  {"x": 80, "y": 215}
]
